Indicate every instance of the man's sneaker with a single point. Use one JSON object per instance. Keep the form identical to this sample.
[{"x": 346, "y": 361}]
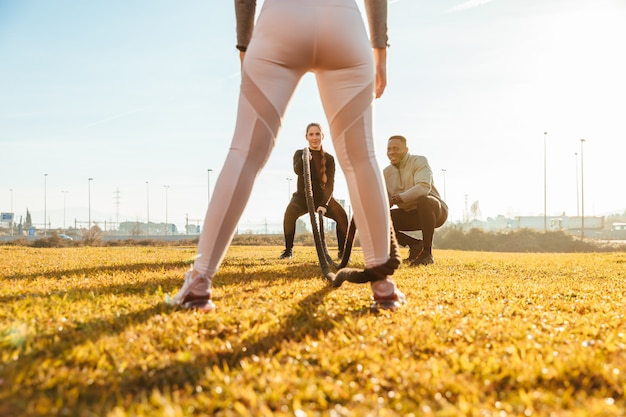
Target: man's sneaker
[
  {"x": 287, "y": 254},
  {"x": 390, "y": 302},
  {"x": 195, "y": 293},
  {"x": 424, "y": 259},
  {"x": 414, "y": 252}
]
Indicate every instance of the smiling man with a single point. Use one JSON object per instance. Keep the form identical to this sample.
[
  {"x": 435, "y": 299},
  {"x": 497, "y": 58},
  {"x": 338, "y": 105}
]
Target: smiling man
[{"x": 410, "y": 186}]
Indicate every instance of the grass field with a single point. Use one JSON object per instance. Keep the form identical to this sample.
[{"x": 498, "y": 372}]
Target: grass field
[{"x": 85, "y": 332}]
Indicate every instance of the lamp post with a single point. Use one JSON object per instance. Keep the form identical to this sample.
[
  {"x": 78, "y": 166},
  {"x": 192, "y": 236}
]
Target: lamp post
[
  {"x": 545, "y": 215},
  {"x": 166, "y": 190},
  {"x": 45, "y": 199},
  {"x": 64, "y": 205},
  {"x": 444, "y": 184},
  {"x": 147, "y": 208},
  {"x": 577, "y": 191},
  {"x": 208, "y": 181},
  {"x": 12, "y": 214},
  {"x": 582, "y": 193},
  {"x": 89, "y": 202},
  {"x": 288, "y": 189}
]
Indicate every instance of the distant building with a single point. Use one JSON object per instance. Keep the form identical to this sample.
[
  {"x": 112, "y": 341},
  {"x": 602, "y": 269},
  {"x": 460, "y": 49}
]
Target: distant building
[
  {"x": 556, "y": 222},
  {"x": 618, "y": 226}
]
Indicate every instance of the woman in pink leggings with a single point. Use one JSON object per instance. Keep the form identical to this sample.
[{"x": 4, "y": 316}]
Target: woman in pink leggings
[{"x": 291, "y": 38}]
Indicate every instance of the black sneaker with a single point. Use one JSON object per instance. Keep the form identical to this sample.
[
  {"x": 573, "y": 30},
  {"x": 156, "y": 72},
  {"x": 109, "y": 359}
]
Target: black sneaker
[
  {"x": 424, "y": 259},
  {"x": 414, "y": 252},
  {"x": 287, "y": 254}
]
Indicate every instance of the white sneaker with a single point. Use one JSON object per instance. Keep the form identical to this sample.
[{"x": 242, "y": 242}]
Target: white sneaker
[
  {"x": 386, "y": 296},
  {"x": 195, "y": 293}
]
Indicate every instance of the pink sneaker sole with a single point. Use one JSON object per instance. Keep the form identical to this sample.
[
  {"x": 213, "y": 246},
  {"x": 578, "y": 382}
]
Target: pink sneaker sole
[
  {"x": 202, "y": 303},
  {"x": 390, "y": 303}
]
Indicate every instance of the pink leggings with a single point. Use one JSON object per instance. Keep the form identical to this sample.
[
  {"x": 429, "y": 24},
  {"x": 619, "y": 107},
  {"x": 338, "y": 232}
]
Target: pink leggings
[{"x": 290, "y": 39}]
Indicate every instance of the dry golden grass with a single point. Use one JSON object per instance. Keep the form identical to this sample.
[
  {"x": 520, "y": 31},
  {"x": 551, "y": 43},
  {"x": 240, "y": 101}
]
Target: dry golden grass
[{"x": 85, "y": 332}]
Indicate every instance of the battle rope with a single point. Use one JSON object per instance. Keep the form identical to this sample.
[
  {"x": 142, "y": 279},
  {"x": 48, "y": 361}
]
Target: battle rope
[
  {"x": 359, "y": 276},
  {"x": 318, "y": 226}
]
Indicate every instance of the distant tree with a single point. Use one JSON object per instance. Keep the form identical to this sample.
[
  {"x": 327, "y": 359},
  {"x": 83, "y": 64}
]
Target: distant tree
[
  {"x": 93, "y": 235},
  {"x": 301, "y": 226}
]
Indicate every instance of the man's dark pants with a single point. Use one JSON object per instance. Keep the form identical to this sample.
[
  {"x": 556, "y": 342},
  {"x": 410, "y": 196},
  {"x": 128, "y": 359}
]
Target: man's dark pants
[{"x": 427, "y": 216}]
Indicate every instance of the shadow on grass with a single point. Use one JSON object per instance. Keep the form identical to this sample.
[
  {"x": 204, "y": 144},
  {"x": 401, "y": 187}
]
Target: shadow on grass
[
  {"x": 97, "y": 287},
  {"x": 136, "y": 383},
  {"x": 59, "y": 345},
  {"x": 145, "y": 266},
  {"x": 168, "y": 284},
  {"x": 301, "y": 324},
  {"x": 104, "y": 396}
]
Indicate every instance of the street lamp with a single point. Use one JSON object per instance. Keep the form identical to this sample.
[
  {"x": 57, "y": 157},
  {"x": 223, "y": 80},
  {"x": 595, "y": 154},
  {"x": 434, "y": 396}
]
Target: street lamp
[
  {"x": 89, "y": 201},
  {"x": 582, "y": 192},
  {"x": 208, "y": 178},
  {"x": 288, "y": 188},
  {"x": 12, "y": 214},
  {"x": 545, "y": 215},
  {"x": 64, "y": 205},
  {"x": 45, "y": 199},
  {"x": 166, "y": 189},
  {"x": 147, "y": 208},
  {"x": 577, "y": 191},
  {"x": 444, "y": 184}
]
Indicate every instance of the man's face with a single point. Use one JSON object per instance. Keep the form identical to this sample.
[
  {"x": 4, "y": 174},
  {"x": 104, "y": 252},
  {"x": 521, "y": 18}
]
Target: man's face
[{"x": 396, "y": 151}]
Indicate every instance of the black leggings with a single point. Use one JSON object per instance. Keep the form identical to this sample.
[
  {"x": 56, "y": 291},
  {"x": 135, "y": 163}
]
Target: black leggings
[
  {"x": 297, "y": 207},
  {"x": 429, "y": 214}
]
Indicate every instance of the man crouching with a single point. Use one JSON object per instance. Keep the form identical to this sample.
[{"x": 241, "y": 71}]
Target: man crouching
[{"x": 411, "y": 188}]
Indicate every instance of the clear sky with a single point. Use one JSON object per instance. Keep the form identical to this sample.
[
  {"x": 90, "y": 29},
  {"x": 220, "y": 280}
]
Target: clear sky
[{"x": 141, "y": 97}]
